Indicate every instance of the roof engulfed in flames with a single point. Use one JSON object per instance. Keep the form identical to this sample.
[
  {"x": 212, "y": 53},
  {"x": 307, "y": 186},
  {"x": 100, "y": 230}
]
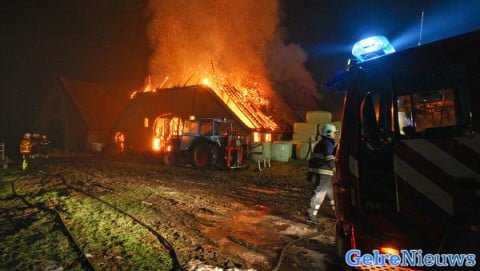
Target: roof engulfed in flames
[{"x": 246, "y": 103}]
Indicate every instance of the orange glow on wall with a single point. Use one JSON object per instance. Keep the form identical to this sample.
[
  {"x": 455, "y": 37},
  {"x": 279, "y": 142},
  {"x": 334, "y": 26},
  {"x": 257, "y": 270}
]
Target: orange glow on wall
[{"x": 145, "y": 122}]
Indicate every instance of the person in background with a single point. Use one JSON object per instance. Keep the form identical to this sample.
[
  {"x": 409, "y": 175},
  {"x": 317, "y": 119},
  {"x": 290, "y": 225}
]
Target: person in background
[
  {"x": 44, "y": 146},
  {"x": 35, "y": 145},
  {"x": 321, "y": 167}
]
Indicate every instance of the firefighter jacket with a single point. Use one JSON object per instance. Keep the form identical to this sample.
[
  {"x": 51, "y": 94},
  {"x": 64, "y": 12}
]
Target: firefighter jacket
[
  {"x": 25, "y": 146},
  {"x": 322, "y": 160}
]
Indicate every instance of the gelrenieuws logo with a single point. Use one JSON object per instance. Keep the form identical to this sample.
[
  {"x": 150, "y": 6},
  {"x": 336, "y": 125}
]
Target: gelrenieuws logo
[{"x": 409, "y": 258}]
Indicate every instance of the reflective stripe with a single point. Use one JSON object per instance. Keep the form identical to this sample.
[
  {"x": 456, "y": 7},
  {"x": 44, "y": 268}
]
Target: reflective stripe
[
  {"x": 330, "y": 157},
  {"x": 424, "y": 185},
  {"x": 321, "y": 171},
  {"x": 441, "y": 158},
  {"x": 326, "y": 158},
  {"x": 25, "y": 149}
]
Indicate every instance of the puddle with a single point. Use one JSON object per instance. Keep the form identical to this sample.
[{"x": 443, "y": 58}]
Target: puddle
[
  {"x": 240, "y": 230},
  {"x": 271, "y": 191}
]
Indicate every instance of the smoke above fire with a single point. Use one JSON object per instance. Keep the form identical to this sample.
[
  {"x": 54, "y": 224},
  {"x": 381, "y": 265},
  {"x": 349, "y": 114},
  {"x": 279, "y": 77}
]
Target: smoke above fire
[{"x": 237, "y": 41}]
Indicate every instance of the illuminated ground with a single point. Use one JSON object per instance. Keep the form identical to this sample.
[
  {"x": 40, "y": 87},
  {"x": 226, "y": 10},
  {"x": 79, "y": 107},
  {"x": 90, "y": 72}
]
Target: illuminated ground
[{"x": 228, "y": 219}]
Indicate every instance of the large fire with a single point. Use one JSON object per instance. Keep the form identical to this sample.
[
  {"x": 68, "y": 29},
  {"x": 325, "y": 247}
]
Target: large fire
[
  {"x": 234, "y": 48},
  {"x": 246, "y": 102}
]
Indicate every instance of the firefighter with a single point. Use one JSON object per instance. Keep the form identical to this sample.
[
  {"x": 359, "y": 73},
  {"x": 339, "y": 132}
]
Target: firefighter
[
  {"x": 322, "y": 167},
  {"x": 25, "y": 149},
  {"x": 26, "y": 144},
  {"x": 44, "y": 144}
]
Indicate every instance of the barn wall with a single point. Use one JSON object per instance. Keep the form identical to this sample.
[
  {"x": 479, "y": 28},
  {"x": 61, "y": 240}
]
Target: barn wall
[{"x": 61, "y": 121}]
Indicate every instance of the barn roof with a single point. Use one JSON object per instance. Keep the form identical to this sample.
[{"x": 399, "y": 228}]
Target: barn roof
[{"x": 99, "y": 105}]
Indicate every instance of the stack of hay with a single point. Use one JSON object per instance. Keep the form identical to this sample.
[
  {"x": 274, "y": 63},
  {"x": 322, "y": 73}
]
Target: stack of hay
[
  {"x": 307, "y": 134},
  {"x": 305, "y": 137}
]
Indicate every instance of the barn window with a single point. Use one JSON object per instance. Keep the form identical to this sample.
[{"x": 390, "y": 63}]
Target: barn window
[{"x": 145, "y": 123}]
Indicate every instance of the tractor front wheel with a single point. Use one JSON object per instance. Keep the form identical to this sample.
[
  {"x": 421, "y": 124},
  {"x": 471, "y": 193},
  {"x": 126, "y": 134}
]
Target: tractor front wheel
[
  {"x": 170, "y": 158},
  {"x": 204, "y": 155}
]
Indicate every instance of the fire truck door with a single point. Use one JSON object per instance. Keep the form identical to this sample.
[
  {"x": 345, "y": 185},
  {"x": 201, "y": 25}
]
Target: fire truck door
[{"x": 376, "y": 180}]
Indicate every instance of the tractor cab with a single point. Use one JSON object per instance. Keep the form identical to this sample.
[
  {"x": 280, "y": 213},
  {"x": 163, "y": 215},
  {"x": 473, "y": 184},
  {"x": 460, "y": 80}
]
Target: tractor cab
[{"x": 408, "y": 171}]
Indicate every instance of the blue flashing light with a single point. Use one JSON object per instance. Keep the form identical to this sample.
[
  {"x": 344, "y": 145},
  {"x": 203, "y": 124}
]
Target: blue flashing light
[{"x": 371, "y": 48}]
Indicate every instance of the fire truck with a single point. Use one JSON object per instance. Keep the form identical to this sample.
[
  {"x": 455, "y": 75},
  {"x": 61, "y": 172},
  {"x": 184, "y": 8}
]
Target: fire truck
[{"x": 408, "y": 162}]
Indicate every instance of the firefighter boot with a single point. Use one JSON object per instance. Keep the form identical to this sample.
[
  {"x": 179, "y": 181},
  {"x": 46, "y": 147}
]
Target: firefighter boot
[
  {"x": 312, "y": 214},
  {"x": 312, "y": 220},
  {"x": 24, "y": 163}
]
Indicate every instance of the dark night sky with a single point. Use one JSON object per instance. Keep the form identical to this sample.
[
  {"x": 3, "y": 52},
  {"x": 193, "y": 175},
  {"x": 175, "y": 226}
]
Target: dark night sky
[
  {"x": 327, "y": 30},
  {"x": 105, "y": 41}
]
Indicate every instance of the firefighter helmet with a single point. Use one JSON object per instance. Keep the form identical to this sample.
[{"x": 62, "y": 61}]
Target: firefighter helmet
[
  {"x": 27, "y": 135},
  {"x": 328, "y": 130}
]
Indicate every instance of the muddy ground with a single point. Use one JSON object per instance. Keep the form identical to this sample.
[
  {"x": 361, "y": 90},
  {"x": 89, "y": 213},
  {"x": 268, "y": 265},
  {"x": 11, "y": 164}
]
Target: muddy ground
[{"x": 227, "y": 219}]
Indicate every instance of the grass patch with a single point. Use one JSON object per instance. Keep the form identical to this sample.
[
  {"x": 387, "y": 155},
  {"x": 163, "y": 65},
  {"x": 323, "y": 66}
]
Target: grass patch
[
  {"x": 114, "y": 241},
  {"x": 5, "y": 190},
  {"x": 40, "y": 246}
]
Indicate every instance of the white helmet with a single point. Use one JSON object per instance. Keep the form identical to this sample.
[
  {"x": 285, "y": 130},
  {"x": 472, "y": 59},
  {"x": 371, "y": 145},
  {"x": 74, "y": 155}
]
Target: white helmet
[{"x": 328, "y": 130}]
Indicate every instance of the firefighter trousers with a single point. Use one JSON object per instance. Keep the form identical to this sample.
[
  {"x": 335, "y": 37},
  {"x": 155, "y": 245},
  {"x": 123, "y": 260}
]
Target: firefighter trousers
[{"x": 323, "y": 189}]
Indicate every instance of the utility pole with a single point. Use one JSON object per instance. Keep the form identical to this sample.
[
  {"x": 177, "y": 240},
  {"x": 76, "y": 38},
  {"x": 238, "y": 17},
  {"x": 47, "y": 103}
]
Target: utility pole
[{"x": 421, "y": 30}]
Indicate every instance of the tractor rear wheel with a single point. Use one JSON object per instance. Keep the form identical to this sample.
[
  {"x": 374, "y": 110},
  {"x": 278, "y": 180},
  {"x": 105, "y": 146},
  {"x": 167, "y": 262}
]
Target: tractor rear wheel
[{"x": 205, "y": 155}]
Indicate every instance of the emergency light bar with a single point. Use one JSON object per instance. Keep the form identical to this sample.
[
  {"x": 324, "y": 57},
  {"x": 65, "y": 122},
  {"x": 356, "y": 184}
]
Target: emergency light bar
[{"x": 371, "y": 48}]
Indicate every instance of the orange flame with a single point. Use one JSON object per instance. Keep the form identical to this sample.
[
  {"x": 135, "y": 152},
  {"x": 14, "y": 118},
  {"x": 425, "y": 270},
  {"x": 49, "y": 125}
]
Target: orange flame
[{"x": 243, "y": 96}]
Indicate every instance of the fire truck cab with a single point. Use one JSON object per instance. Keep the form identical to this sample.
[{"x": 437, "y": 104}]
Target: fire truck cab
[{"x": 408, "y": 162}]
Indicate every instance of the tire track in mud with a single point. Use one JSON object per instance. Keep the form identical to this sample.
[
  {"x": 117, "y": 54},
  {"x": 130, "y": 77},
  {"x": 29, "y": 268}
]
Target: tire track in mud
[
  {"x": 182, "y": 222},
  {"x": 201, "y": 217}
]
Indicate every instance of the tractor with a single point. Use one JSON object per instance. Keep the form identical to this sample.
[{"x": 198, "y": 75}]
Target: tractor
[{"x": 207, "y": 143}]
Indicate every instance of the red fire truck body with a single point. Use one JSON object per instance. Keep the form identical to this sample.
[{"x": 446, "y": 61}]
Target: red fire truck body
[{"x": 408, "y": 164}]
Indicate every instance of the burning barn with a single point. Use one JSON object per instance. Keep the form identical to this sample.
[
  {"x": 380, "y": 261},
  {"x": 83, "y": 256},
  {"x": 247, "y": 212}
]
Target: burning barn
[{"x": 147, "y": 109}]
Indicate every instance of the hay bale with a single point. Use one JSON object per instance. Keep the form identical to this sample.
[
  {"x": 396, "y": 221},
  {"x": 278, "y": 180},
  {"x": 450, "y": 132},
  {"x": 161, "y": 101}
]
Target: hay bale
[
  {"x": 305, "y": 128},
  {"x": 337, "y": 124},
  {"x": 281, "y": 151},
  {"x": 319, "y": 117},
  {"x": 304, "y": 137},
  {"x": 302, "y": 149}
]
